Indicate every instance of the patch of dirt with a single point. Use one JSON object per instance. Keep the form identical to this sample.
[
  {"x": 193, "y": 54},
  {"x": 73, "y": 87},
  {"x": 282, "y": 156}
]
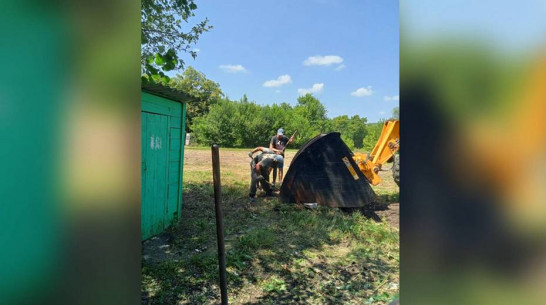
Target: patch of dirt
[
  {"x": 159, "y": 248},
  {"x": 231, "y": 156},
  {"x": 391, "y": 214},
  {"x": 235, "y": 161}
]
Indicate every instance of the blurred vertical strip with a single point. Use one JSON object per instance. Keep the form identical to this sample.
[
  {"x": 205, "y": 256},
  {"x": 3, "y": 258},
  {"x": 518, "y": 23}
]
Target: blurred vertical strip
[
  {"x": 32, "y": 46},
  {"x": 70, "y": 146},
  {"x": 473, "y": 116}
]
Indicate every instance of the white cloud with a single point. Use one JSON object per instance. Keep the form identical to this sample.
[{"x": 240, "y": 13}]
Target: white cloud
[
  {"x": 233, "y": 68},
  {"x": 316, "y": 89},
  {"x": 196, "y": 50},
  {"x": 277, "y": 91},
  {"x": 340, "y": 67},
  {"x": 322, "y": 60},
  {"x": 391, "y": 98},
  {"x": 382, "y": 113},
  {"x": 281, "y": 80},
  {"x": 363, "y": 92}
]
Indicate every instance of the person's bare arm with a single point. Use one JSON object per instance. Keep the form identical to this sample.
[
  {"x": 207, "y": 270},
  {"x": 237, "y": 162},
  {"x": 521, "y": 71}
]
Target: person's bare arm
[
  {"x": 259, "y": 148},
  {"x": 274, "y": 149}
]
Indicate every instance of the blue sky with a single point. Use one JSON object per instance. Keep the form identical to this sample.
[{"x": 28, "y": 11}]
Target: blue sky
[{"x": 344, "y": 52}]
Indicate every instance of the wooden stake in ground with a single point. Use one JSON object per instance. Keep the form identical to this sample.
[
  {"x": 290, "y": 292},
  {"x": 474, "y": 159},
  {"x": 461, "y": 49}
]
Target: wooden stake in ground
[{"x": 219, "y": 222}]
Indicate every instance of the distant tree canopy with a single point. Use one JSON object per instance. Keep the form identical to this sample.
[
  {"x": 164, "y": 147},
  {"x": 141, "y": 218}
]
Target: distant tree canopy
[
  {"x": 214, "y": 118},
  {"x": 247, "y": 124},
  {"x": 354, "y": 129},
  {"x": 204, "y": 92},
  {"x": 396, "y": 113},
  {"x": 374, "y": 131},
  {"x": 163, "y": 36},
  {"x": 312, "y": 110}
]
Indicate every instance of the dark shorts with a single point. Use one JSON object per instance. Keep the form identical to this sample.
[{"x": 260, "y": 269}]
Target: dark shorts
[{"x": 280, "y": 161}]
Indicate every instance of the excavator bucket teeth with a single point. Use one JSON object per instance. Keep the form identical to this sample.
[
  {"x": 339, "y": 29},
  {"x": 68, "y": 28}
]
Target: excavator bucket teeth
[{"x": 323, "y": 171}]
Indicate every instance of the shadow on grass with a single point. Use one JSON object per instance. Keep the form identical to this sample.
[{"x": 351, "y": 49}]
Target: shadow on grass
[
  {"x": 276, "y": 253},
  {"x": 329, "y": 283},
  {"x": 381, "y": 204}
]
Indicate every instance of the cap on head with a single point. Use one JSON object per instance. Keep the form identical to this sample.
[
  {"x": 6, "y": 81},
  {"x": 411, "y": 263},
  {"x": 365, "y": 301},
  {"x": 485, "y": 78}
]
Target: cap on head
[{"x": 280, "y": 132}]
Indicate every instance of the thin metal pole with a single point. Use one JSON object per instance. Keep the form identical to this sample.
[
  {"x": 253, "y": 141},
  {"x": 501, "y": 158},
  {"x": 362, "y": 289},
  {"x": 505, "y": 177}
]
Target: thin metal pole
[{"x": 219, "y": 222}]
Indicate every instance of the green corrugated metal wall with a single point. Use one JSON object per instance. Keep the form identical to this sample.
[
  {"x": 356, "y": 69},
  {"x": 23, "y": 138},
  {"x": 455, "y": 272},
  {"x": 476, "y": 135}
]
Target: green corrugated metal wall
[{"x": 163, "y": 135}]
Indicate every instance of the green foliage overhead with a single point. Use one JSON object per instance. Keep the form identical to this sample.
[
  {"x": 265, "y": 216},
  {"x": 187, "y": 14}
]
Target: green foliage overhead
[
  {"x": 164, "y": 37},
  {"x": 204, "y": 93}
]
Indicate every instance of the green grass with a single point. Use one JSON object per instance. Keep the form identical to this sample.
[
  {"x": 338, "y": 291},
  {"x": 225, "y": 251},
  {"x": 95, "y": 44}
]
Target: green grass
[
  {"x": 276, "y": 253},
  {"x": 274, "y": 284}
]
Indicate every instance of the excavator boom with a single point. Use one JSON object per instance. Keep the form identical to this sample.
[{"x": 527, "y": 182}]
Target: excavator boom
[{"x": 385, "y": 148}]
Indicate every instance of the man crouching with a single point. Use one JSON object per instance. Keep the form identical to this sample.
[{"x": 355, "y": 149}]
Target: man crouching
[{"x": 259, "y": 173}]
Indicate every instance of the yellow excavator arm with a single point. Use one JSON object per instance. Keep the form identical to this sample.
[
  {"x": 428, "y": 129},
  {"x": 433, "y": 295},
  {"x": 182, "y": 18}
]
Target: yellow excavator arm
[{"x": 387, "y": 145}]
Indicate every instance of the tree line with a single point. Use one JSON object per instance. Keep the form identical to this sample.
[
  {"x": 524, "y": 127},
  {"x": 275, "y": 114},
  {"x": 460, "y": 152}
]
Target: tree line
[{"x": 214, "y": 118}]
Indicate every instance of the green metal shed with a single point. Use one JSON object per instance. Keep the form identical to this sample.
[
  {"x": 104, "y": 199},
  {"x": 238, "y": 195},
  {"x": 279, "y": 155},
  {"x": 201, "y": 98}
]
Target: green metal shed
[{"x": 163, "y": 121}]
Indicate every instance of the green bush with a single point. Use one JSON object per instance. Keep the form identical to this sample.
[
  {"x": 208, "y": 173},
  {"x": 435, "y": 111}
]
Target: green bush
[
  {"x": 247, "y": 124},
  {"x": 373, "y": 133}
]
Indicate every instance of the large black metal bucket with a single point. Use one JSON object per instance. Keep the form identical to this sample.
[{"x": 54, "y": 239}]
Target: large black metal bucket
[{"x": 323, "y": 171}]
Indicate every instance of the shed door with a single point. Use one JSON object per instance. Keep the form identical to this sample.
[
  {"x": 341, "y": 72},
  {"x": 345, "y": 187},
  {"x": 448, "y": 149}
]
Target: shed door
[{"x": 155, "y": 153}]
